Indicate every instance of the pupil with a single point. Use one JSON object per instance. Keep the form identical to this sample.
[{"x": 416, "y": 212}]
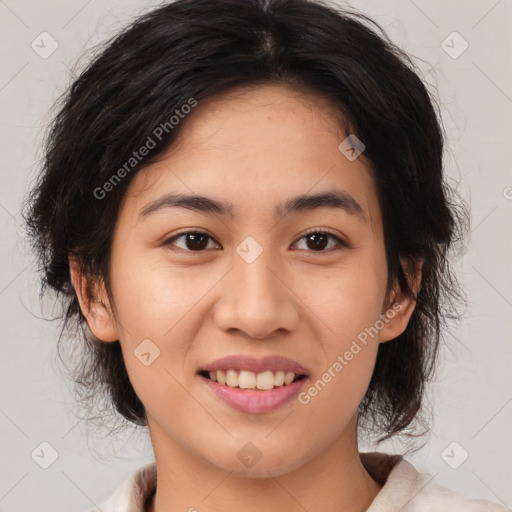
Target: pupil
[
  {"x": 317, "y": 245},
  {"x": 199, "y": 241}
]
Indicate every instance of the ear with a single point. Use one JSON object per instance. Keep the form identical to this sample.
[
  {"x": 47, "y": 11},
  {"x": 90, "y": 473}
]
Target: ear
[
  {"x": 94, "y": 303},
  {"x": 399, "y": 307}
]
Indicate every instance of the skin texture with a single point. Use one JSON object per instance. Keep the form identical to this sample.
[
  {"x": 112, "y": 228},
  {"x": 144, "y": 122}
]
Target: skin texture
[{"x": 253, "y": 148}]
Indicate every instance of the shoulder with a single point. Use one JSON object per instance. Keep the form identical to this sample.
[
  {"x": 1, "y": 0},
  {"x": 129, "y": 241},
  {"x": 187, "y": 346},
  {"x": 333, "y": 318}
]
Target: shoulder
[
  {"x": 133, "y": 492},
  {"x": 407, "y": 490},
  {"x": 430, "y": 497}
]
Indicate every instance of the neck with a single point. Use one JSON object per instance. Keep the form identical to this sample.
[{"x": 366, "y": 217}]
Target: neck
[{"x": 335, "y": 479}]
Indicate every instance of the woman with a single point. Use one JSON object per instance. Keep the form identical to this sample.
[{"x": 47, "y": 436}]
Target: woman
[{"x": 244, "y": 204}]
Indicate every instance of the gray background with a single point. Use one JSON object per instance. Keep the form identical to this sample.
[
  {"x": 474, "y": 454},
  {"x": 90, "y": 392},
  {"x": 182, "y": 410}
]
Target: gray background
[{"x": 473, "y": 393}]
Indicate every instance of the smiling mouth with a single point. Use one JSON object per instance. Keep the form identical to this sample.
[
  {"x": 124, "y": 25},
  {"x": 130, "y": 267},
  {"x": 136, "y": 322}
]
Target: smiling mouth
[{"x": 243, "y": 379}]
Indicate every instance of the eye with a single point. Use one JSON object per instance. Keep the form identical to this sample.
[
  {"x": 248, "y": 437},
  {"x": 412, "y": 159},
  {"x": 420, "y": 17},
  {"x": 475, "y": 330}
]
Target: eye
[
  {"x": 194, "y": 241},
  {"x": 318, "y": 239}
]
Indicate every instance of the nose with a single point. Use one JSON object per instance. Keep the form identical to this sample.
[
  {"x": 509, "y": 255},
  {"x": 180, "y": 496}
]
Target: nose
[{"x": 256, "y": 299}]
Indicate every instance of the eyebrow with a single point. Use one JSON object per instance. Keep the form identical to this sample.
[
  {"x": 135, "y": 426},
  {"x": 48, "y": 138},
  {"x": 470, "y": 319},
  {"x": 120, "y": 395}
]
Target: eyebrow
[{"x": 336, "y": 199}]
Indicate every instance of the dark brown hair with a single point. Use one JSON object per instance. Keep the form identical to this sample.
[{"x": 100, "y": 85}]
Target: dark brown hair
[{"x": 200, "y": 48}]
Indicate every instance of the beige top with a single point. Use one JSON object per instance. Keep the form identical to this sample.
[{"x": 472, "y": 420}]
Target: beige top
[{"x": 404, "y": 490}]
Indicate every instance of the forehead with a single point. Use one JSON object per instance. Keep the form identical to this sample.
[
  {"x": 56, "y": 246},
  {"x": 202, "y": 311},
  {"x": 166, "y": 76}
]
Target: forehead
[
  {"x": 248, "y": 117},
  {"x": 253, "y": 149}
]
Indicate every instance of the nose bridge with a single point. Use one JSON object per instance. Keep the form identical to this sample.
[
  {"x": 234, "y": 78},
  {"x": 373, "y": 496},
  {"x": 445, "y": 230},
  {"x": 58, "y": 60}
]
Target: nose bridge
[
  {"x": 257, "y": 286},
  {"x": 258, "y": 281},
  {"x": 255, "y": 299}
]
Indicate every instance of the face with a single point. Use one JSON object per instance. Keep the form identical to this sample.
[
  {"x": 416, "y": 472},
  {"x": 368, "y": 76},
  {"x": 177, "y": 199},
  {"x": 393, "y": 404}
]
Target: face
[{"x": 259, "y": 277}]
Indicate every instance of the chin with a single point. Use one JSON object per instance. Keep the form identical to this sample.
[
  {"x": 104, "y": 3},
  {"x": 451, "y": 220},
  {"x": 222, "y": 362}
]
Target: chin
[{"x": 252, "y": 463}]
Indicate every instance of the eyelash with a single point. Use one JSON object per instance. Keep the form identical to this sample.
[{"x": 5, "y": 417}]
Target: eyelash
[{"x": 342, "y": 243}]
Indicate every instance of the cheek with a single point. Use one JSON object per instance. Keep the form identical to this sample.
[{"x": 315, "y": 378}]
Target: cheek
[
  {"x": 348, "y": 352},
  {"x": 348, "y": 302},
  {"x": 151, "y": 299},
  {"x": 154, "y": 313},
  {"x": 349, "y": 305},
  {"x": 162, "y": 304}
]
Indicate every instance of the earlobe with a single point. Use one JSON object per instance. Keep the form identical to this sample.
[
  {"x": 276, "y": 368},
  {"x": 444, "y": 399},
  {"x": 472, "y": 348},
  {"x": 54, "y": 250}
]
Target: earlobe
[
  {"x": 94, "y": 303},
  {"x": 397, "y": 316}
]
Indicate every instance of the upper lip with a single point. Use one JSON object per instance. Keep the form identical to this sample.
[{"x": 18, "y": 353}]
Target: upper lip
[{"x": 242, "y": 362}]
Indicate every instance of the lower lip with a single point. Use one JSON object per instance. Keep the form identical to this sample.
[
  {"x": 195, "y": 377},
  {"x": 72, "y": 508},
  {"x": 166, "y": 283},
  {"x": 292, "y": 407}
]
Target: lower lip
[{"x": 255, "y": 401}]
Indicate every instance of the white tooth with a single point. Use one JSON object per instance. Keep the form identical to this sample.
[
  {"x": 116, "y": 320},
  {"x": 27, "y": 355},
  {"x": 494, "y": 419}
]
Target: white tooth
[
  {"x": 221, "y": 378},
  {"x": 232, "y": 378},
  {"x": 213, "y": 376},
  {"x": 279, "y": 378},
  {"x": 265, "y": 380},
  {"x": 246, "y": 380},
  {"x": 288, "y": 378}
]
